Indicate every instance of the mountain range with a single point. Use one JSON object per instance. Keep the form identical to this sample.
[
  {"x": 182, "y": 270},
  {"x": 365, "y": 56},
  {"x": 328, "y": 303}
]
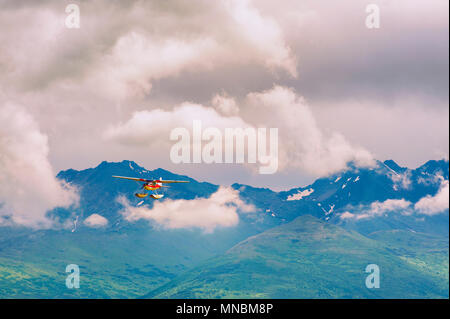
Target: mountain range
[{"x": 307, "y": 242}]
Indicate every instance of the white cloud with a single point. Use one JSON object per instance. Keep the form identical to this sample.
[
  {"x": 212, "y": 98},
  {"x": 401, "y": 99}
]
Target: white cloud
[
  {"x": 379, "y": 208},
  {"x": 428, "y": 205},
  {"x": 431, "y": 205},
  {"x": 150, "y": 128},
  {"x": 28, "y": 187},
  {"x": 225, "y": 105},
  {"x": 303, "y": 144},
  {"x": 218, "y": 210},
  {"x": 402, "y": 180},
  {"x": 347, "y": 215},
  {"x": 389, "y": 205},
  {"x": 137, "y": 59},
  {"x": 264, "y": 33},
  {"x": 95, "y": 221}
]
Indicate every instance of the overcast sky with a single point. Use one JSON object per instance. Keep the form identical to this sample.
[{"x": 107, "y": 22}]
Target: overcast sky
[{"x": 114, "y": 88}]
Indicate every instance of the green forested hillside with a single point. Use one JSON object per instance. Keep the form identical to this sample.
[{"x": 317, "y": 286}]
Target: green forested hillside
[
  {"x": 309, "y": 258},
  {"x": 125, "y": 263}
]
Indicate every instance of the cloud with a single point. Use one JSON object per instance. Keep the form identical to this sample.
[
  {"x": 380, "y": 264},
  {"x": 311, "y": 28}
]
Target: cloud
[
  {"x": 387, "y": 129},
  {"x": 138, "y": 55},
  {"x": 303, "y": 145},
  {"x": 389, "y": 205},
  {"x": 225, "y": 105},
  {"x": 28, "y": 187},
  {"x": 149, "y": 128},
  {"x": 347, "y": 215},
  {"x": 432, "y": 205},
  {"x": 379, "y": 209},
  {"x": 401, "y": 180},
  {"x": 218, "y": 210},
  {"x": 121, "y": 48},
  {"x": 428, "y": 205},
  {"x": 95, "y": 221},
  {"x": 329, "y": 67},
  {"x": 264, "y": 33}
]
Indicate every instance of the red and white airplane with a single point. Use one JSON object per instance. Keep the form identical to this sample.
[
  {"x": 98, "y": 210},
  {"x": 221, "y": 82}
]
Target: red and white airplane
[{"x": 151, "y": 185}]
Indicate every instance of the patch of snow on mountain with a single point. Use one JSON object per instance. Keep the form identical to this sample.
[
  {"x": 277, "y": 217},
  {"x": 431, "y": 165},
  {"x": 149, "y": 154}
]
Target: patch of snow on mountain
[
  {"x": 75, "y": 224},
  {"x": 300, "y": 194},
  {"x": 390, "y": 169},
  {"x": 331, "y": 209}
]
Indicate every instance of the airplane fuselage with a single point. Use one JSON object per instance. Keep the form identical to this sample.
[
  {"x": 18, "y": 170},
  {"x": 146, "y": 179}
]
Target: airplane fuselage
[{"x": 152, "y": 186}]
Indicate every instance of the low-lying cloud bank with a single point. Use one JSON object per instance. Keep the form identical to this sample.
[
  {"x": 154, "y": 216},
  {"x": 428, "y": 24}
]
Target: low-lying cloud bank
[
  {"x": 218, "y": 210},
  {"x": 379, "y": 209},
  {"x": 428, "y": 205},
  {"x": 28, "y": 187},
  {"x": 431, "y": 205},
  {"x": 96, "y": 221}
]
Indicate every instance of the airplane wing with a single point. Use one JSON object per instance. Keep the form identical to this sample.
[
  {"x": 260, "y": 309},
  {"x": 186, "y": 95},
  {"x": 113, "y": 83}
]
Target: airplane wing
[
  {"x": 150, "y": 180},
  {"x": 169, "y": 182},
  {"x": 134, "y": 179}
]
